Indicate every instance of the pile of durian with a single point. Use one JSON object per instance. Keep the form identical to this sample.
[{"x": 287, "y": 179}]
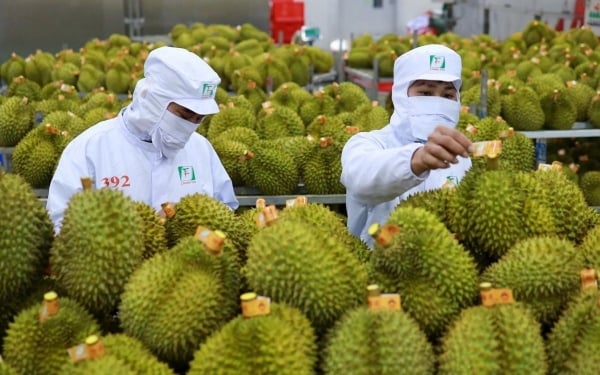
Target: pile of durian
[{"x": 200, "y": 289}]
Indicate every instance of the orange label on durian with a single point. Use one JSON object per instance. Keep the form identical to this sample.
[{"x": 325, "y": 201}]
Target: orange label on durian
[
  {"x": 298, "y": 201},
  {"x": 487, "y": 148},
  {"x": 267, "y": 216},
  {"x": 386, "y": 233},
  {"x": 384, "y": 302},
  {"x": 78, "y": 353},
  {"x": 589, "y": 279},
  {"x": 256, "y": 307},
  {"x": 213, "y": 240},
  {"x": 510, "y": 132},
  {"x": 496, "y": 296},
  {"x": 49, "y": 308},
  {"x": 555, "y": 166}
]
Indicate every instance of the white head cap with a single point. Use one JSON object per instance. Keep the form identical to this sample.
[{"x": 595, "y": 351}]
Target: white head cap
[
  {"x": 433, "y": 62},
  {"x": 183, "y": 77}
]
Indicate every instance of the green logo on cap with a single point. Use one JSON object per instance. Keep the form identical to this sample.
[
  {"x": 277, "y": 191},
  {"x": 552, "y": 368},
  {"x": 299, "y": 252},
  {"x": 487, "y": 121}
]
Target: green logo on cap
[
  {"x": 437, "y": 62},
  {"x": 209, "y": 90}
]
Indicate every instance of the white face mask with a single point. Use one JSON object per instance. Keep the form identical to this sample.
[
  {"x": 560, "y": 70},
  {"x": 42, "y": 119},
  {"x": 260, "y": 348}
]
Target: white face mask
[
  {"x": 427, "y": 112},
  {"x": 172, "y": 134}
]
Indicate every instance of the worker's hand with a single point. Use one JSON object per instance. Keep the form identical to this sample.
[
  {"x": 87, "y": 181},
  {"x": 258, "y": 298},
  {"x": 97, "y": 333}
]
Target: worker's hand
[{"x": 441, "y": 149}]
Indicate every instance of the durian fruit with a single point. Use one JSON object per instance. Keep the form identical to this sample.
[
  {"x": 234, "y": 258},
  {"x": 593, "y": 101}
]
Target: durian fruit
[
  {"x": 231, "y": 152},
  {"x": 11, "y": 68},
  {"x": 175, "y": 300},
  {"x": 37, "y": 340},
  {"x": 278, "y": 120},
  {"x": 370, "y": 116},
  {"x": 521, "y": 109},
  {"x": 6, "y": 369},
  {"x": 416, "y": 256},
  {"x": 321, "y": 104},
  {"x": 436, "y": 201},
  {"x": 543, "y": 273},
  {"x": 273, "y": 71},
  {"x": 114, "y": 354},
  {"x": 348, "y": 95},
  {"x": 278, "y": 341},
  {"x": 90, "y": 78},
  {"x": 26, "y": 234},
  {"x": 35, "y": 158},
  {"x": 24, "y": 87},
  {"x": 271, "y": 169},
  {"x": 472, "y": 96},
  {"x": 590, "y": 186},
  {"x": 184, "y": 217},
  {"x": 322, "y": 168},
  {"x": 582, "y": 95},
  {"x": 326, "y": 126},
  {"x": 286, "y": 262},
  {"x": 230, "y": 116},
  {"x": 366, "y": 341},
  {"x": 155, "y": 233},
  {"x": 38, "y": 67},
  {"x": 98, "y": 247},
  {"x": 254, "y": 93},
  {"x": 321, "y": 60},
  {"x": 497, "y": 339},
  {"x": 560, "y": 109},
  {"x": 283, "y": 97},
  {"x": 567, "y": 203},
  {"x": 325, "y": 219},
  {"x": 16, "y": 120},
  {"x": 118, "y": 76},
  {"x": 573, "y": 342},
  {"x": 503, "y": 208},
  {"x": 589, "y": 247}
]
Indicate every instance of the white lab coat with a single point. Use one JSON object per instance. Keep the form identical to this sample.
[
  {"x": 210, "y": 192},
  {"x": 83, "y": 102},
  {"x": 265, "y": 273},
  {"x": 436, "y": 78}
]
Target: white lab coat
[
  {"x": 113, "y": 157},
  {"x": 378, "y": 176}
]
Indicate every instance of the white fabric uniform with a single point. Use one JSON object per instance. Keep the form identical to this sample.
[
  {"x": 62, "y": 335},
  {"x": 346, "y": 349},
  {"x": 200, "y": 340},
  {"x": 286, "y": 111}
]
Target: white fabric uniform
[
  {"x": 147, "y": 152},
  {"x": 376, "y": 168}
]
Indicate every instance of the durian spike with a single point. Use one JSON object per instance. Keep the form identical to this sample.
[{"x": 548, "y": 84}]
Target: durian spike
[{"x": 87, "y": 183}]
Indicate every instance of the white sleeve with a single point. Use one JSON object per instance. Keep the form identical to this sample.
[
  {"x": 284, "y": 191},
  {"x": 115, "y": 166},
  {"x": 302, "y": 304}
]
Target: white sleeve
[
  {"x": 374, "y": 174},
  {"x": 72, "y": 166}
]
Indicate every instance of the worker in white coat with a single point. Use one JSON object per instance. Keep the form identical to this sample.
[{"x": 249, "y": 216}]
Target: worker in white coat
[
  {"x": 419, "y": 150},
  {"x": 151, "y": 150}
]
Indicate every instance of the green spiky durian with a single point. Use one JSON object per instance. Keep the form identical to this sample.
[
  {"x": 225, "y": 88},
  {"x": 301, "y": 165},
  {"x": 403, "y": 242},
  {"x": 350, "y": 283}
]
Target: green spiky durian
[
  {"x": 370, "y": 116},
  {"x": 286, "y": 262},
  {"x": 472, "y": 96},
  {"x": 560, "y": 109},
  {"x": 35, "y": 347},
  {"x": 378, "y": 342},
  {"x": 16, "y": 120},
  {"x": 271, "y": 169},
  {"x": 321, "y": 104},
  {"x": 21, "y": 86},
  {"x": 155, "y": 234},
  {"x": 6, "y": 369},
  {"x": 504, "y": 207},
  {"x": 323, "y": 218},
  {"x": 281, "y": 342},
  {"x": 590, "y": 186},
  {"x": 26, "y": 235},
  {"x": 321, "y": 60},
  {"x": 593, "y": 111},
  {"x": 567, "y": 203},
  {"x": 254, "y": 93},
  {"x": 435, "y": 201},
  {"x": 175, "y": 300},
  {"x": 543, "y": 273},
  {"x": 228, "y": 117},
  {"x": 322, "y": 168},
  {"x": 98, "y": 247},
  {"x": 275, "y": 121},
  {"x": 574, "y": 338},
  {"x": 425, "y": 264},
  {"x": 501, "y": 339},
  {"x": 121, "y": 355},
  {"x": 231, "y": 152},
  {"x": 521, "y": 109},
  {"x": 348, "y": 95},
  {"x": 90, "y": 78},
  {"x": 582, "y": 95},
  {"x": 11, "y": 68},
  {"x": 273, "y": 71},
  {"x": 35, "y": 158}
]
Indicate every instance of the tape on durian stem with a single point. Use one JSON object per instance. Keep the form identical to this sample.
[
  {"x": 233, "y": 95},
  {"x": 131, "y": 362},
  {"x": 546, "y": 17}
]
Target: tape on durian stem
[
  {"x": 378, "y": 301},
  {"x": 589, "y": 279},
  {"x": 255, "y": 305},
  {"x": 491, "y": 149},
  {"x": 92, "y": 348},
  {"x": 49, "y": 306},
  {"x": 383, "y": 235},
  {"x": 266, "y": 216},
  {"x": 168, "y": 209},
  {"x": 87, "y": 183},
  {"x": 555, "y": 166},
  {"x": 300, "y": 200},
  {"x": 213, "y": 240},
  {"x": 495, "y": 296}
]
